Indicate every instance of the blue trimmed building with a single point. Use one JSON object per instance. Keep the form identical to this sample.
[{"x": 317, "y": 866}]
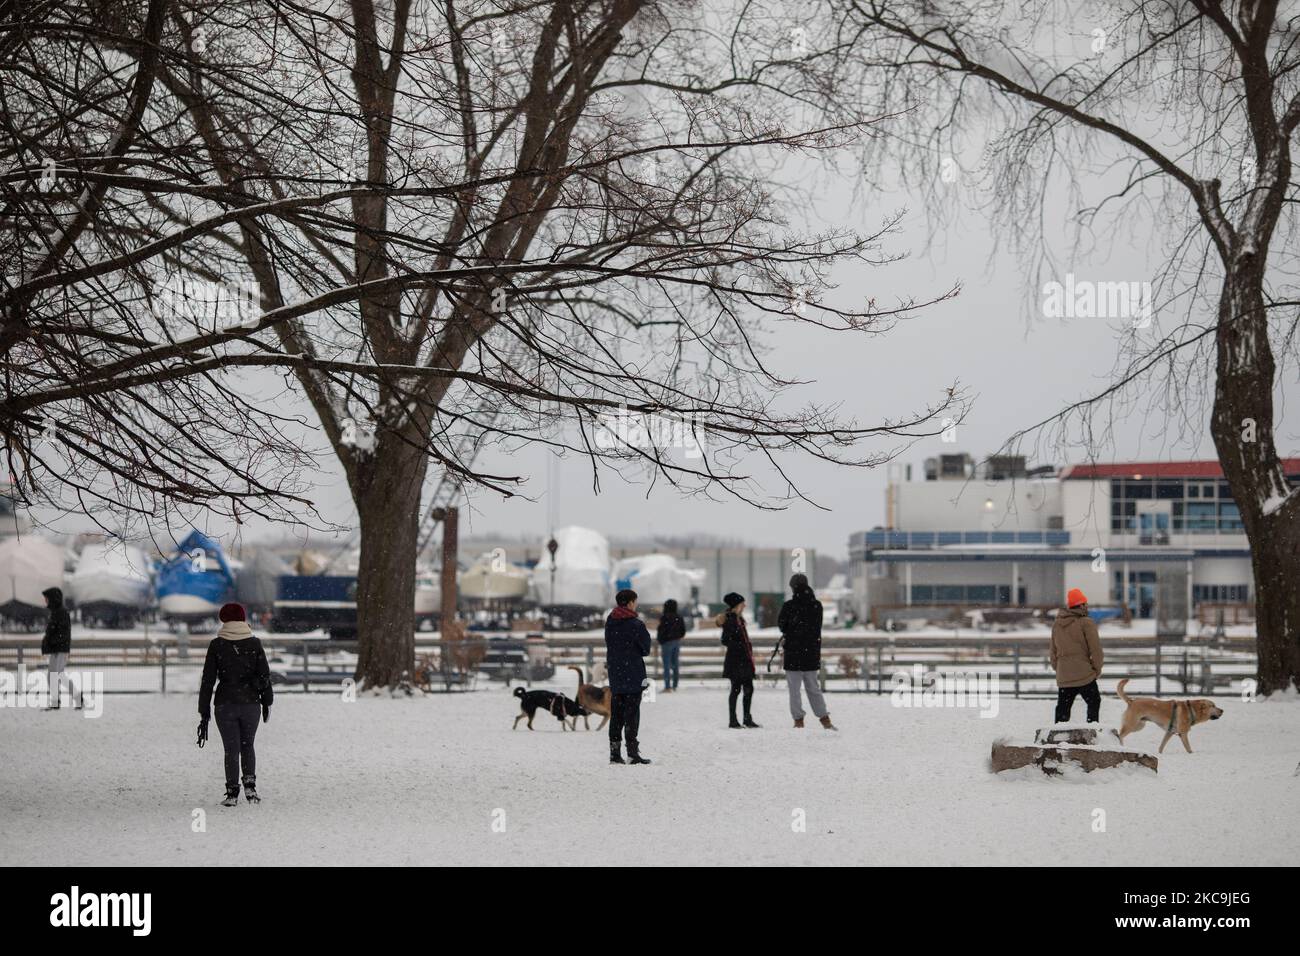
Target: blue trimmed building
[{"x": 1140, "y": 534}]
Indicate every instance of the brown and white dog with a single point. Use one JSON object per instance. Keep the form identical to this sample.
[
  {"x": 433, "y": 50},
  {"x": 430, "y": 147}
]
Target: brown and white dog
[
  {"x": 1175, "y": 716},
  {"x": 593, "y": 698}
]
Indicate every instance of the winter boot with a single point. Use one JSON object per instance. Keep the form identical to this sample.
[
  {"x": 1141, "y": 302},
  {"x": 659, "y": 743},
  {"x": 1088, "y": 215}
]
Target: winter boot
[
  {"x": 616, "y": 755},
  {"x": 232, "y": 796},
  {"x": 250, "y": 789},
  {"x": 749, "y": 722},
  {"x": 798, "y": 723},
  {"x": 637, "y": 758},
  {"x": 734, "y": 724},
  {"x": 826, "y": 722}
]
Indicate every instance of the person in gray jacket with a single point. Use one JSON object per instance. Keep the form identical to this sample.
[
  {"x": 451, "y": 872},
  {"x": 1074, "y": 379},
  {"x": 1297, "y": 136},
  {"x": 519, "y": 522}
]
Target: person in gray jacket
[{"x": 800, "y": 622}]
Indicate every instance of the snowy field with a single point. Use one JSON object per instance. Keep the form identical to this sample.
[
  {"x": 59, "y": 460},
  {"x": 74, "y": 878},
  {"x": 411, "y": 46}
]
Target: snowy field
[{"x": 435, "y": 780}]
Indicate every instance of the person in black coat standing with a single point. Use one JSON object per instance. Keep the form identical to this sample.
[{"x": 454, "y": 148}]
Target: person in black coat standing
[
  {"x": 738, "y": 667},
  {"x": 627, "y": 642},
  {"x": 237, "y": 665},
  {"x": 57, "y": 644},
  {"x": 671, "y": 630},
  {"x": 800, "y": 622}
]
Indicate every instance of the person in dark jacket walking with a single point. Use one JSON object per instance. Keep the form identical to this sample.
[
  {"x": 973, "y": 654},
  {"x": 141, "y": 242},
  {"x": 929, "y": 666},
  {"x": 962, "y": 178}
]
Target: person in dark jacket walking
[
  {"x": 236, "y": 664},
  {"x": 670, "y": 633},
  {"x": 627, "y": 642},
  {"x": 738, "y": 667},
  {"x": 800, "y": 622},
  {"x": 57, "y": 644}
]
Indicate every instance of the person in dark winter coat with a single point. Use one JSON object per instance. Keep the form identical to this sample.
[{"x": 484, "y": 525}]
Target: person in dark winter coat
[
  {"x": 57, "y": 644},
  {"x": 738, "y": 667},
  {"x": 237, "y": 665},
  {"x": 800, "y": 622},
  {"x": 627, "y": 642},
  {"x": 670, "y": 633}
]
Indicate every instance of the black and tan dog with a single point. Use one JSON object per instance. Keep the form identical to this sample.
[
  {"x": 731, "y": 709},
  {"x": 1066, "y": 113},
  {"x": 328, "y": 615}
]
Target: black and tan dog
[
  {"x": 594, "y": 699},
  {"x": 558, "y": 706},
  {"x": 1175, "y": 716}
]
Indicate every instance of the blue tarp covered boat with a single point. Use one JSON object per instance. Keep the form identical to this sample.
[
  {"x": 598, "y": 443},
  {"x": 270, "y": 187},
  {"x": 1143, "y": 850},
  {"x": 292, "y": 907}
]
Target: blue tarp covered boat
[{"x": 195, "y": 581}]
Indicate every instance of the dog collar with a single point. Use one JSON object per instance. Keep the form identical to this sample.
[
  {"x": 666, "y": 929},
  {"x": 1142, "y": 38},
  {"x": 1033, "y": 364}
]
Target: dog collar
[{"x": 1173, "y": 715}]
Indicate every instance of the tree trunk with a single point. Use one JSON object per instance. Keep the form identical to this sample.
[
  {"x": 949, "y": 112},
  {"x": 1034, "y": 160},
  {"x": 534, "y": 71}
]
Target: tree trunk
[
  {"x": 388, "y": 508},
  {"x": 1242, "y": 425}
]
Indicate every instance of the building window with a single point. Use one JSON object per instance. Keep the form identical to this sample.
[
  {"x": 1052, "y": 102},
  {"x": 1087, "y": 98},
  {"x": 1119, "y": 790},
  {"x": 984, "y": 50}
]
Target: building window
[
  {"x": 1229, "y": 517},
  {"x": 1220, "y": 593},
  {"x": 969, "y": 594},
  {"x": 1200, "y": 517}
]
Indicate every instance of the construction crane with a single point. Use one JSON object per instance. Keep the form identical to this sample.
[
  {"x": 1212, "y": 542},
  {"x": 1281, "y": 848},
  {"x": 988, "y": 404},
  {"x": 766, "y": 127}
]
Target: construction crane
[{"x": 449, "y": 488}]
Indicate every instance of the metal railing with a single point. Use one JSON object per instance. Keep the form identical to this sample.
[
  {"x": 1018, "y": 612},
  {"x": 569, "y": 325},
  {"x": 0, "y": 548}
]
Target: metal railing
[{"x": 862, "y": 663}]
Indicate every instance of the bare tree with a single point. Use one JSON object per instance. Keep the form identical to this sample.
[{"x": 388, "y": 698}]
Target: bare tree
[
  {"x": 521, "y": 222},
  {"x": 1089, "y": 91},
  {"x": 89, "y": 425}
]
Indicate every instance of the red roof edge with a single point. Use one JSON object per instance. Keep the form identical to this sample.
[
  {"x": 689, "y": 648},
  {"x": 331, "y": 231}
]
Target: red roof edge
[{"x": 1160, "y": 469}]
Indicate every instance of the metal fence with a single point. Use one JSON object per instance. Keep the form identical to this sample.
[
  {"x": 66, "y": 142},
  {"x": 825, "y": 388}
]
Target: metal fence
[{"x": 861, "y": 663}]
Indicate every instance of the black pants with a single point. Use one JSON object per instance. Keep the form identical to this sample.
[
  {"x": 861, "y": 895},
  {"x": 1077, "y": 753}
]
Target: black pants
[
  {"x": 237, "y": 724},
  {"x": 747, "y": 685},
  {"x": 625, "y": 718},
  {"x": 1065, "y": 702}
]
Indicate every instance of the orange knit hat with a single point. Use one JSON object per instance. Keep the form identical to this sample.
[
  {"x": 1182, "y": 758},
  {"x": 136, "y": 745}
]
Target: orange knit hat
[{"x": 1075, "y": 597}]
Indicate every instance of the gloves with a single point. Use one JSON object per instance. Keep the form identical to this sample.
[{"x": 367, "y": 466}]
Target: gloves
[
  {"x": 266, "y": 713},
  {"x": 203, "y": 731}
]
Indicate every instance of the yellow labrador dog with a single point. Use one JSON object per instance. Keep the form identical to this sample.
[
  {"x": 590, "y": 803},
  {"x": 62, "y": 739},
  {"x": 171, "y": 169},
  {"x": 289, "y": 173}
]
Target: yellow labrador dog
[{"x": 1175, "y": 716}]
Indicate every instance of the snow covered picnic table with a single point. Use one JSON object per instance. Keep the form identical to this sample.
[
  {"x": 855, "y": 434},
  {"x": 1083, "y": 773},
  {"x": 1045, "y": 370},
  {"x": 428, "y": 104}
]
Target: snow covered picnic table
[{"x": 443, "y": 779}]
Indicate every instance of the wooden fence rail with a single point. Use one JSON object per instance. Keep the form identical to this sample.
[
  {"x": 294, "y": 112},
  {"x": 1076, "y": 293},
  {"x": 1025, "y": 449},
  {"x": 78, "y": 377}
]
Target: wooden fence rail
[{"x": 862, "y": 663}]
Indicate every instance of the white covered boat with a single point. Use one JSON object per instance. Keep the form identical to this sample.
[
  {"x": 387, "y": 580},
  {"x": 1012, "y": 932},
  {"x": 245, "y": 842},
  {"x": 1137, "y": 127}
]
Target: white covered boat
[
  {"x": 112, "y": 584},
  {"x": 28, "y": 565},
  {"x": 493, "y": 578},
  {"x": 428, "y": 595},
  {"x": 657, "y": 578},
  {"x": 582, "y": 572}
]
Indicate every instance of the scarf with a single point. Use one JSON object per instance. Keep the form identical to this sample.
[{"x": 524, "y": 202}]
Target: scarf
[{"x": 235, "y": 630}]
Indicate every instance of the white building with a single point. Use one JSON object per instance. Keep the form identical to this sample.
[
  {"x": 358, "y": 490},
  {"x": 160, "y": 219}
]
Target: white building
[{"x": 1147, "y": 535}]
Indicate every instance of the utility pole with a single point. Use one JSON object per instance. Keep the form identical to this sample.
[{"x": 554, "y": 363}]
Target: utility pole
[{"x": 449, "y": 518}]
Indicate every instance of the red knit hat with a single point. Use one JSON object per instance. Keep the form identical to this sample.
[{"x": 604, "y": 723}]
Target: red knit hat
[
  {"x": 231, "y": 612},
  {"x": 1075, "y": 598}
]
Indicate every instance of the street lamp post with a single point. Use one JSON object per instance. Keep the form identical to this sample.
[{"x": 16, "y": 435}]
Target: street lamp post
[{"x": 552, "y": 546}]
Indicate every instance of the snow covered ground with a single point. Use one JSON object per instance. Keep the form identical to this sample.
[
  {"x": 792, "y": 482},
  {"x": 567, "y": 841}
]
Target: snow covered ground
[{"x": 443, "y": 779}]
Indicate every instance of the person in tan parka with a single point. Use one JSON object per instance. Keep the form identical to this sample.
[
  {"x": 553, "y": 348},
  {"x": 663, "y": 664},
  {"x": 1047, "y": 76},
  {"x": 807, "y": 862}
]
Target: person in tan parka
[{"x": 1077, "y": 658}]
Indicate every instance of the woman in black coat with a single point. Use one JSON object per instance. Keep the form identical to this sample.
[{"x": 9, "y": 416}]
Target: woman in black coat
[
  {"x": 739, "y": 664},
  {"x": 236, "y": 664},
  {"x": 670, "y": 633},
  {"x": 57, "y": 643}
]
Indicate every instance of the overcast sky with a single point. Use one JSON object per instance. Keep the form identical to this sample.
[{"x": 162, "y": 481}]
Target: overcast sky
[{"x": 1018, "y": 366}]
